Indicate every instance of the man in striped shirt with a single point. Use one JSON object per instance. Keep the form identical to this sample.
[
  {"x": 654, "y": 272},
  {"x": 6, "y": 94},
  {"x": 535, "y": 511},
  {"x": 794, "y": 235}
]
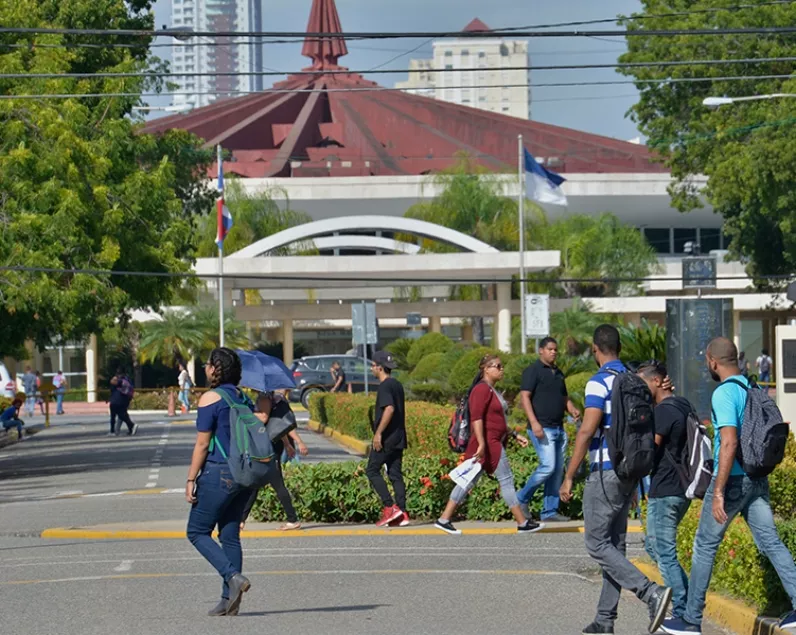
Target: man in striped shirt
[{"x": 606, "y": 498}]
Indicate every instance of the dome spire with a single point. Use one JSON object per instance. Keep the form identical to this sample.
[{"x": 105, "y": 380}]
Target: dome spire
[{"x": 324, "y": 52}]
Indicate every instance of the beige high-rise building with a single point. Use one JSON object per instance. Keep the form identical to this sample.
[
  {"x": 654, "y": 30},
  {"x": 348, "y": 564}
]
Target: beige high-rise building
[{"x": 473, "y": 72}]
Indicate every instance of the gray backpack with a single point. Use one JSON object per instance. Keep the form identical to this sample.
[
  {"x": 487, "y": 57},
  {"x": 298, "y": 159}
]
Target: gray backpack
[
  {"x": 764, "y": 434},
  {"x": 251, "y": 454}
]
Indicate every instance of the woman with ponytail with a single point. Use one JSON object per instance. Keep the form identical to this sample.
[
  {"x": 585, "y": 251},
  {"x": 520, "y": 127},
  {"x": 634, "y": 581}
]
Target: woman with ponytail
[
  {"x": 216, "y": 499},
  {"x": 490, "y": 433}
]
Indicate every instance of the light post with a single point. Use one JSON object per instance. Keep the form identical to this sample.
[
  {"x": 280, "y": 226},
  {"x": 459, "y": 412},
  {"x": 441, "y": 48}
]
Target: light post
[{"x": 715, "y": 102}]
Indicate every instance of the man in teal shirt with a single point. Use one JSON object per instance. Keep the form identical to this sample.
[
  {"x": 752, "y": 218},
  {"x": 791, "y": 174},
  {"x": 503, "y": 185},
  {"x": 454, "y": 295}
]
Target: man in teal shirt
[{"x": 731, "y": 492}]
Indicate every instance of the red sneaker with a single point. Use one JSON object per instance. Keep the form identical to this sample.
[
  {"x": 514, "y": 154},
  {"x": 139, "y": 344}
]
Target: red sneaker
[
  {"x": 388, "y": 515},
  {"x": 402, "y": 521}
]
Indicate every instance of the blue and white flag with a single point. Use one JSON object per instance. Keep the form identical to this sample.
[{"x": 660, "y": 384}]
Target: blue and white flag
[
  {"x": 224, "y": 216},
  {"x": 541, "y": 184}
]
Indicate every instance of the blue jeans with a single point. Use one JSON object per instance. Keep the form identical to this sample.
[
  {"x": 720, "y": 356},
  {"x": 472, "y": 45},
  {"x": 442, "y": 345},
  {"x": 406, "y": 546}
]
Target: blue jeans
[
  {"x": 59, "y": 403},
  {"x": 552, "y": 453},
  {"x": 765, "y": 376},
  {"x": 14, "y": 423},
  {"x": 749, "y": 497},
  {"x": 185, "y": 398},
  {"x": 663, "y": 516},
  {"x": 220, "y": 502},
  {"x": 30, "y": 405}
]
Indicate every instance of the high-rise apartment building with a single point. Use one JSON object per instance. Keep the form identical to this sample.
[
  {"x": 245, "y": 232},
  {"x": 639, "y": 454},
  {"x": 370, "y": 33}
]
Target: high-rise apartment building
[
  {"x": 216, "y": 55},
  {"x": 475, "y": 72}
]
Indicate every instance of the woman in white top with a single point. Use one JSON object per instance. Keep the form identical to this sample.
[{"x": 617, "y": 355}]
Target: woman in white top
[{"x": 185, "y": 384}]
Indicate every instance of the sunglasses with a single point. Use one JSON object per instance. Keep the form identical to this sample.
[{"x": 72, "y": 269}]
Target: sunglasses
[{"x": 498, "y": 366}]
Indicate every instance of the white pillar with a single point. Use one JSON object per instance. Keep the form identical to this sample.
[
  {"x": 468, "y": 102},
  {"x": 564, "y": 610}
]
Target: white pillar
[
  {"x": 736, "y": 329},
  {"x": 91, "y": 369},
  {"x": 435, "y": 324},
  {"x": 287, "y": 341},
  {"x": 502, "y": 338}
]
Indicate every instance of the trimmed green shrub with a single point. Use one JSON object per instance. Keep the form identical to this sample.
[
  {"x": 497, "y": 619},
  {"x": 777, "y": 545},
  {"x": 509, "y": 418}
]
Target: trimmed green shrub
[
  {"x": 576, "y": 387},
  {"x": 429, "y": 343},
  {"x": 400, "y": 349},
  {"x": 515, "y": 366},
  {"x": 458, "y": 351},
  {"x": 432, "y": 392},
  {"x": 428, "y": 367},
  {"x": 462, "y": 374},
  {"x": 782, "y": 485}
]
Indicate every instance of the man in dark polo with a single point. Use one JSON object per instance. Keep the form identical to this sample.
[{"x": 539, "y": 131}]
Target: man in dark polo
[{"x": 544, "y": 398}]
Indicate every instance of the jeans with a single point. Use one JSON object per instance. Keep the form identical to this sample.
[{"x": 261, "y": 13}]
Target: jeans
[
  {"x": 277, "y": 481},
  {"x": 14, "y": 423},
  {"x": 606, "y": 501},
  {"x": 185, "y": 398},
  {"x": 120, "y": 411},
  {"x": 30, "y": 405},
  {"x": 220, "y": 502},
  {"x": 749, "y": 497},
  {"x": 765, "y": 376},
  {"x": 663, "y": 516},
  {"x": 552, "y": 453},
  {"x": 505, "y": 478},
  {"x": 59, "y": 402},
  {"x": 393, "y": 459}
]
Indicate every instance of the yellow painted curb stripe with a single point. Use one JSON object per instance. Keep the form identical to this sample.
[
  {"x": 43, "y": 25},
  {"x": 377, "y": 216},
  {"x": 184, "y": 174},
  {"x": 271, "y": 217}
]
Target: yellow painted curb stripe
[
  {"x": 355, "y": 445},
  {"x": 123, "y": 534},
  {"x": 733, "y": 615}
]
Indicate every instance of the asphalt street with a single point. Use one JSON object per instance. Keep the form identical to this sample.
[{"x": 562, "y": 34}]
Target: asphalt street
[{"x": 73, "y": 475}]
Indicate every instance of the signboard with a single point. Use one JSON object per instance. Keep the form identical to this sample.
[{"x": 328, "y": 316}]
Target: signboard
[
  {"x": 364, "y": 327},
  {"x": 699, "y": 272},
  {"x": 537, "y": 315},
  {"x": 414, "y": 319}
]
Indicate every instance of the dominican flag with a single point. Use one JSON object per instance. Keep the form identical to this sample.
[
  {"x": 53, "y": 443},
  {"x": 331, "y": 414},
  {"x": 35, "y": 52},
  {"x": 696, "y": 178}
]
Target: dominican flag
[
  {"x": 541, "y": 184},
  {"x": 224, "y": 217}
]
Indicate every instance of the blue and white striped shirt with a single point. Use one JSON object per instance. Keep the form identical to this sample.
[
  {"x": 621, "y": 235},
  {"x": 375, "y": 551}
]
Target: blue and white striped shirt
[{"x": 598, "y": 395}]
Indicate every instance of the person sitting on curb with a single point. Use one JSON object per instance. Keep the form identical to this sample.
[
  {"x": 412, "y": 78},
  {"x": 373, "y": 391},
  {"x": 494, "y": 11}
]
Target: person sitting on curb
[
  {"x": 10, "y": 417},
  {"x": 731, "y": 492}
]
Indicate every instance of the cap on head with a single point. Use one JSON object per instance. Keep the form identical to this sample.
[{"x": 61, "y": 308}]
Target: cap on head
[{"x": 385, "y": 360}]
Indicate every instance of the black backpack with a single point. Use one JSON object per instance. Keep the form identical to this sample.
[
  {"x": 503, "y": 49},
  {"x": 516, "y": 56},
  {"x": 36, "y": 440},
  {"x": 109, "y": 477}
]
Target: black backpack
[
  {"x": 631, "y": 437},
  {"x": 695, "y": 465},
  {"x": 764, "y": 434}
]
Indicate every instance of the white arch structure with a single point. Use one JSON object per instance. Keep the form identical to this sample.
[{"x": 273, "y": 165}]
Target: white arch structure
[
  {"x": 343, "y": 224},
  {"x": 363, "y": 241}
]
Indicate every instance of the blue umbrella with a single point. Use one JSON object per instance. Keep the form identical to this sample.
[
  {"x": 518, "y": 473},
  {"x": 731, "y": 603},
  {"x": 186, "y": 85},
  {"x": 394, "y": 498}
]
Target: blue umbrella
[{"x": 263, "y": 372}]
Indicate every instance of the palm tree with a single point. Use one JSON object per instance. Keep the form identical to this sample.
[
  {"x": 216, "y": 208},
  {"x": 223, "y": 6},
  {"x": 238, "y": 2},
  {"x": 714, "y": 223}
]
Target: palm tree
[
  {"x": 574, "y": 327},
  {"x": 206, "y": 323},
  {"x": 173, "y": 338}
]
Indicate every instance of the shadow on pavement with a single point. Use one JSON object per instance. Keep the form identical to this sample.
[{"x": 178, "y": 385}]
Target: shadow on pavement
[{"x": 320, "y": 609}]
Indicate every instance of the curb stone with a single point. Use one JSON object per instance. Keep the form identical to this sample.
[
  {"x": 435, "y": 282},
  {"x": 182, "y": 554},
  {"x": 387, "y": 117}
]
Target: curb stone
[
  {"x": 11, "y": 438},
  {"x": 738, "y": 617},
  {"x": 362, "y": 448}
]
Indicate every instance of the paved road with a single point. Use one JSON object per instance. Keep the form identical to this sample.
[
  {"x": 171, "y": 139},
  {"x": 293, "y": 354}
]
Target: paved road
[{"x": 354, "y": 585}]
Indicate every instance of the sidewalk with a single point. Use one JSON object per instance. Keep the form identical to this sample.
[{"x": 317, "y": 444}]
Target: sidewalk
[
  {"x": 10, "y": 437},
  {"x": 175, "y": 529}
]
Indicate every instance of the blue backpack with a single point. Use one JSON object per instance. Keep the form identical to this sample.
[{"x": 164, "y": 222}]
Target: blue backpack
[{"x": 251, "y": 455}]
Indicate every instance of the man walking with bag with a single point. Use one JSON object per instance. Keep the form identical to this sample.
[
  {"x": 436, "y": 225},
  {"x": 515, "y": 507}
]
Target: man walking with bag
[
  {"x": 607, "y": 497},
  {"x": 734, "y": 490}
]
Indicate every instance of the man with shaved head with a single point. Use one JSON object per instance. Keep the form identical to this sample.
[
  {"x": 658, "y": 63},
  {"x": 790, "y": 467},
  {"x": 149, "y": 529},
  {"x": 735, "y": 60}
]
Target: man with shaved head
[{"x": 731, "y": 492}]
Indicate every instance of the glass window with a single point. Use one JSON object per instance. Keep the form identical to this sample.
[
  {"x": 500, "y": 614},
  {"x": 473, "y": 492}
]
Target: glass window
[
  {"x": 505, "y": 109},
  {"x": 658, "y": 238},
  {"x": 465, "y": 52},
  {"x": 448, "y": 53},
  {"x": 448, "y": 67},
  {"x": 683, "y": 236},
  {"x": 481, "y": 54},
  {"x": 725, "y": 240},
  {"x": 709, "y": 239}
]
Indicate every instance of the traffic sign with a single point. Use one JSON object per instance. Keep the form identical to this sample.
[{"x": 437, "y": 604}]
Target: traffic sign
[
  {"x": 364, "y": 327},
  {"x": 537, "y": 315}
]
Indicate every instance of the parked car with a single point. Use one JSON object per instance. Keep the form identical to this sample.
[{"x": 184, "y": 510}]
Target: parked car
[
  {"x": 8, "y": 387},
  {"x": 313, "y": 374}
]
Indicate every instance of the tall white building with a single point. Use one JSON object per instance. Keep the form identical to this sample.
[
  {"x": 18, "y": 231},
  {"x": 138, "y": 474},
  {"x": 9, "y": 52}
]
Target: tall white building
[
  {"x": 474, "y": 72},
  {"x": 215, "y": 55}
]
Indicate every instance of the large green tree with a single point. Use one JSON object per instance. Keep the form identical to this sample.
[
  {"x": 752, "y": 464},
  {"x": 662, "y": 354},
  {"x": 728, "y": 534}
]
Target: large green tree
[
  {"x": 79, "y": 188},
  {"x": 747, "y": 150}
]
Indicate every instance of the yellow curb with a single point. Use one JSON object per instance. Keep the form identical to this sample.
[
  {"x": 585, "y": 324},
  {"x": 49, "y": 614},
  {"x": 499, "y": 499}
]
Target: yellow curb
[
  {"x": 734, "y": 615},
  {"x": 355, "y": 445},
  {"x": 139, "y": 492},
  {"x": 93, "y": 534}
]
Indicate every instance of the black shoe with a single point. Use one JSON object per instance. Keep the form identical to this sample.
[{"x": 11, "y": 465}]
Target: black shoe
[
  {"x": 598, "y": 629},
  {"x": 221, "y": 608},
  {"x": 447, "y": 527},
  {"x": 238, "y": 585},
  {"x": 132, "y": 431},
  {"x": 658, "y": 603},
  {"x": 529, "y": 527}
]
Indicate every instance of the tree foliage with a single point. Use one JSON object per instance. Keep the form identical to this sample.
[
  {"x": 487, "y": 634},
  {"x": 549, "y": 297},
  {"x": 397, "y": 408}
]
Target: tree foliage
[
  {"x": 79, "y": 188},
  {"x": 746, "y": 150},
  {"x": 174, "y": 338}
]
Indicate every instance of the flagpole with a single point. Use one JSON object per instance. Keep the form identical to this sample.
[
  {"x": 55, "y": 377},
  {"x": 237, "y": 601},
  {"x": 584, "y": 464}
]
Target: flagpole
[
  {"x": 521, "y": 177},
  {"x": 220, "y": 206}
]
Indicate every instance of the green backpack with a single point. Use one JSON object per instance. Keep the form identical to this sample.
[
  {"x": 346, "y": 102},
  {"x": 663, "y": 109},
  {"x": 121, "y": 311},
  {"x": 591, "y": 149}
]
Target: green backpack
[{"x": 251, "y": 455}]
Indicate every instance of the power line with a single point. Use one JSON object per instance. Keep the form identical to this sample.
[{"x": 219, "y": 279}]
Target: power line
[
  {"x": 410, "y": 71},
  {"x": 386, "y": 89}
]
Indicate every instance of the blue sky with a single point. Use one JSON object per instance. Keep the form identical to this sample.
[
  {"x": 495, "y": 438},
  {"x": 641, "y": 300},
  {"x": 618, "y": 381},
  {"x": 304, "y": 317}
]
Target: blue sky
[{"x": 562, "y": 106}]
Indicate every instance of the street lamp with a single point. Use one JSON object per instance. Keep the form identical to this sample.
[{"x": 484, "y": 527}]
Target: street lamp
[
  {"x": 181, "y": 33},
  {"x": 715, "y": 102}
]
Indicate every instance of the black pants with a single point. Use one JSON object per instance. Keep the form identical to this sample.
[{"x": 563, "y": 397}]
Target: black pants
[
  {"x": 120, "y": 410},
  {"x": 278, "y": 483},
  {"x": 393, "y": 459}
]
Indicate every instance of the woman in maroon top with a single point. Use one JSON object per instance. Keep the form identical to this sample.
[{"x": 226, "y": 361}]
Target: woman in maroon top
[{"x": 490, "y": 432}]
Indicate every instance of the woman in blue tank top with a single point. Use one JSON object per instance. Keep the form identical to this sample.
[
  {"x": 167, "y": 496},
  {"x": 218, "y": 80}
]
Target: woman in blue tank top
[{"x": 216, "y": 499}]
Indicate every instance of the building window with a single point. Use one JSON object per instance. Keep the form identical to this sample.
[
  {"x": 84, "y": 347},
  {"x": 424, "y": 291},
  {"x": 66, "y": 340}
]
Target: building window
[
  {"x": 481, "y": 54},
  {"x": 482, "y": 98},
  {"x": 505, "y": 109},
  {"x": 448, "y": 67},
  {"x": 466, "y": 101},
  {"x": 709, "y": 240},
  {"x": 659, "y": 239},
  {"x": 683, "y": 235},
  {"x": 448, "y": 53}
]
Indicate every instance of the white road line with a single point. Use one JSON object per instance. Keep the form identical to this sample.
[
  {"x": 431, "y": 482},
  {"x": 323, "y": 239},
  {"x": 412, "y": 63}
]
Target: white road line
[
  {"x": 125, "y": 565},
  {"x": 151, "y": 485},
  {"x": 154, "y": 470}
]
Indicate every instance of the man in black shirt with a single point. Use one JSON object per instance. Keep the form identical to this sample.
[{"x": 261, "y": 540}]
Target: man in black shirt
[
  {"x": 667, "y": 501},
  {"x": 389, "y": 441},
  {"x": 544, "y": 398}
]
